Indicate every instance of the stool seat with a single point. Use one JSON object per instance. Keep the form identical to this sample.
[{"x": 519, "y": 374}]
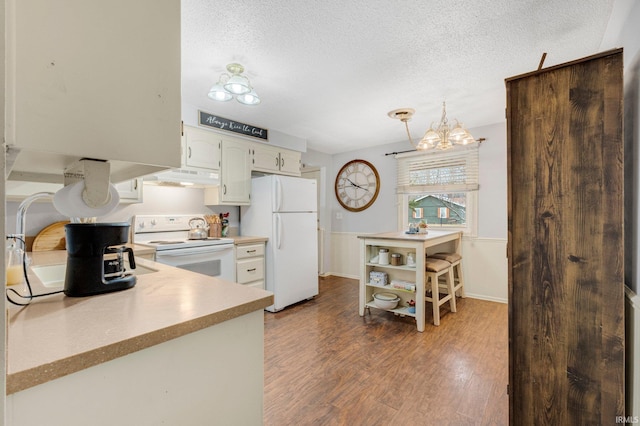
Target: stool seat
[
  {"x": 455, "y": 261},
  {"x": 449, "y": 257},
  {"x": 436, "y": 268},
  {"x": 436, "y": 265}
]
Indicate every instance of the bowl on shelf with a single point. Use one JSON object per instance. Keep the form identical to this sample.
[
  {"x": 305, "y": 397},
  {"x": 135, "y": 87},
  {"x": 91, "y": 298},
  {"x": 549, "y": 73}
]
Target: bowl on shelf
[{"x": 386, "y": 300}]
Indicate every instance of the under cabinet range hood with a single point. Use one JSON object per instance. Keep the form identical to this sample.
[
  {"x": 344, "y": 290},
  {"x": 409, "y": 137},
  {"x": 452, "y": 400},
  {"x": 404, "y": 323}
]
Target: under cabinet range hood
[{"x": 184, "y": 176}]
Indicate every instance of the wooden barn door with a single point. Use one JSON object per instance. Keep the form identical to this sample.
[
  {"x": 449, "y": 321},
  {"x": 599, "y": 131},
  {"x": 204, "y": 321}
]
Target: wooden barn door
[{"x": 566, "y": 290}]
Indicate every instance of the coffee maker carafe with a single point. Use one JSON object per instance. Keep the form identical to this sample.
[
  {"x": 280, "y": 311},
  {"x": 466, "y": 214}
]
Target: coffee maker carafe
[{"x": 95, "y": 258}]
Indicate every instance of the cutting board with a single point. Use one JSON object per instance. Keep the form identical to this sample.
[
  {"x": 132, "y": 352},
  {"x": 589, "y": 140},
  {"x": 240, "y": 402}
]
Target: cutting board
[{"x": 50, "y": 238}]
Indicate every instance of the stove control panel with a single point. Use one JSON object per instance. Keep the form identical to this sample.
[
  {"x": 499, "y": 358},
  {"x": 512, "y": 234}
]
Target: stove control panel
[{"x": 163, "y": 223}]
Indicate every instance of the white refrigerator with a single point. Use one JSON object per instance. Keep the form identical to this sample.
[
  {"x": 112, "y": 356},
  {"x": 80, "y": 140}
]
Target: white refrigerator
[{"x": 284, "y": 209}]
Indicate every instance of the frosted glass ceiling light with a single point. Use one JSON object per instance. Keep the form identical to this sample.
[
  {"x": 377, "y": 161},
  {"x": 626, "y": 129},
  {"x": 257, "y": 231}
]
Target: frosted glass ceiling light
[
  {"x": 234, "y": 85},
  {"x": 442, "y": 137},
  {"x": 250, "y": 98},
  {"x": 217, "y": 93}
]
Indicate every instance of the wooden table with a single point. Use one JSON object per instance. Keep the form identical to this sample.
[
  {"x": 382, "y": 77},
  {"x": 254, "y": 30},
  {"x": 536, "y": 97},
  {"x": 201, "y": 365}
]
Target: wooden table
[{"x": 400, "y": 242}]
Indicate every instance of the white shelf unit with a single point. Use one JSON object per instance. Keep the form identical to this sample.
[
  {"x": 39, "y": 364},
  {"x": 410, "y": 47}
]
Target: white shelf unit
[
  {"x": 394, "y": 272},
  {"x": 399, "y": 242}
]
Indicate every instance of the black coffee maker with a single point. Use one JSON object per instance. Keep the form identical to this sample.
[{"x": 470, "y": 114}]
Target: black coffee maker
[{"x": 95, "y": 258}]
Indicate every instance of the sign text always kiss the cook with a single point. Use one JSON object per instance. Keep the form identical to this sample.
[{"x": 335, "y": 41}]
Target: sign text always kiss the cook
[{"x": 222, "y": 123}]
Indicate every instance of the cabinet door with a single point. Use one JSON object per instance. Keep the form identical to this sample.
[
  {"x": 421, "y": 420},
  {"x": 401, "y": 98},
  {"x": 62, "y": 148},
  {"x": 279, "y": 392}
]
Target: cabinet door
[
  {"x": 202, "y": 148},
  {"x": 566, "y": 238},
  {"x": 265, "y": 158},
  {"x": 235, "y": 173},
  {"x": 290, "y": 162},
  {"x": 130, "y": 191},
  {"x": 83, "y": 89}
]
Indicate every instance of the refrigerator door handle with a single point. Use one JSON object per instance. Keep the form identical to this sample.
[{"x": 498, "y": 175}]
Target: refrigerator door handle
[
  {"x": 278, "y": 231},
  {"x": 277, "y": 194}
]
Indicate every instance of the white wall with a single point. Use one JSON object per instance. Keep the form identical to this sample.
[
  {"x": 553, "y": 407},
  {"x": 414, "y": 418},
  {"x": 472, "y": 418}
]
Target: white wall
[
  {"x": 157, "y": 200},
  {"x": 3, "y": 321},
  {"x": 624, "y": 31},
  {"x": 629, "y": 39},
  {"x": 485, "y": 265},
  {"x": 276, "y": 138},
  {"x": 382, "y": 215}
]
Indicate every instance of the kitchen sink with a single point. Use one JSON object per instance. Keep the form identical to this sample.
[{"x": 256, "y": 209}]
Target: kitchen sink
[{"x": 53, "y": 275}]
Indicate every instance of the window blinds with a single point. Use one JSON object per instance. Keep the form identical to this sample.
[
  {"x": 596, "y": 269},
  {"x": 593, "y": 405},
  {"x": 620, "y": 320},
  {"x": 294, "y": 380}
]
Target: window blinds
[{"x": 447, "y": 171}]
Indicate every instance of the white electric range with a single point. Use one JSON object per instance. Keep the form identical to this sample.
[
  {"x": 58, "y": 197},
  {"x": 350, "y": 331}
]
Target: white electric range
[{"x": 169, "y": 235}]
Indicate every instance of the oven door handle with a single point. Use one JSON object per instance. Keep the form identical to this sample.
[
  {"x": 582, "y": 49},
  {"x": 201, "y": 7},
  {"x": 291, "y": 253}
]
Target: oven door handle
[{"x": 189, "y": 252}]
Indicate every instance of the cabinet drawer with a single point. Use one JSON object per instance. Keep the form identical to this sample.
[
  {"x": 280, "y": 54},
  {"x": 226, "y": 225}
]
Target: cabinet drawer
[
  {"x": 257, "y": 284},
  {"x": 250, "y": 270},
  {"x": 249, "y": 250}
]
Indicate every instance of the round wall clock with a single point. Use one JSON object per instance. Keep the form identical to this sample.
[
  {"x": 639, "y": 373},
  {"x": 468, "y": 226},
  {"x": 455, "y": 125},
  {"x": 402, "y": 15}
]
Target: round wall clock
[{"x": 357, "y": 185}]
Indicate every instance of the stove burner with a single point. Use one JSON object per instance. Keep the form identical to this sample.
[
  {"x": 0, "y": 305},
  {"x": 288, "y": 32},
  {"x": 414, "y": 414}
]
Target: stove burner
[
  {"x": 204, "y": 239},
  {"x": 166, "y": 242}
]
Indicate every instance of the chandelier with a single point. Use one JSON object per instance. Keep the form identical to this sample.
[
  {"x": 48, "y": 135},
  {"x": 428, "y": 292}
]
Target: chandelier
[
  {"x": 443, "y": 137},
  {"x": 234, "y": 85}
]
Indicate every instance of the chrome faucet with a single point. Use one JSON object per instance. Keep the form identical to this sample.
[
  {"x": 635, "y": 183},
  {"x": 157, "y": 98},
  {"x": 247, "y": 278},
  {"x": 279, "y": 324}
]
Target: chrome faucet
[{"x": 21, "y": 217}]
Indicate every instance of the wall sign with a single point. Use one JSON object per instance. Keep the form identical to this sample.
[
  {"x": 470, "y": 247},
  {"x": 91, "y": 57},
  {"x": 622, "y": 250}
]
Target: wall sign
[{"x": 217, "y": 122}]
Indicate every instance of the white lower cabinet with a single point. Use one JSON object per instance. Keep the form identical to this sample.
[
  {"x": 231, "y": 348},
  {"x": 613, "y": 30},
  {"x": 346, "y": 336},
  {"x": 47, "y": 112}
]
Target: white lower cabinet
[{"x": 250, "y": 264}]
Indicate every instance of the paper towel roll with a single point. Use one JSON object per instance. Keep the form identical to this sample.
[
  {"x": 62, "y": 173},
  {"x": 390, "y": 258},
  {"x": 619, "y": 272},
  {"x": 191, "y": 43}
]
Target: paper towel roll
[{"x": 68, "y": 201}]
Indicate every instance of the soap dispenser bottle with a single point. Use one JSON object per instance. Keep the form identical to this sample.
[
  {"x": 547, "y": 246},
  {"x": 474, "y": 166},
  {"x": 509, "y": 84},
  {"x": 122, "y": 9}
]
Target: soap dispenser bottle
[{"x": 14, "y": 265}]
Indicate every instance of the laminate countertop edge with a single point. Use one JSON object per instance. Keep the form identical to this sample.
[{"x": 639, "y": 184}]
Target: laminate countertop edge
[
  {"x": 59, "y": 335},
  {"x": 44, "y": 373},
  {"x": 246, "y": 239}
]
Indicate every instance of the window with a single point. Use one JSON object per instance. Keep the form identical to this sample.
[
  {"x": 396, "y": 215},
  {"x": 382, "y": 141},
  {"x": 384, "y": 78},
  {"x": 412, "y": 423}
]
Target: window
[{"x": 439, "y": 188}]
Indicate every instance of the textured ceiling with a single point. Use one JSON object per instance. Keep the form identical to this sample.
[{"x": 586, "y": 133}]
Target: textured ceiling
[{"x": 329, "y": 71}]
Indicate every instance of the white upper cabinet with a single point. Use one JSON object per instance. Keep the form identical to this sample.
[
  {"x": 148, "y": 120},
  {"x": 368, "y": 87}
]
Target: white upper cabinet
[
  {"x": 273, "y": 159},
  {"x": 235, "y": 175},
  {"x": 92, "y": 79},
  {"x": 201, "y": 148}
]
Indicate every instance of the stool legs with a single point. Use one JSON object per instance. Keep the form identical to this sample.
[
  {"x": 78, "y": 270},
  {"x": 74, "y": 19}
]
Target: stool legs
[
  {"x": 433, "y": 278},
  {"x": 459, "y": 280}
]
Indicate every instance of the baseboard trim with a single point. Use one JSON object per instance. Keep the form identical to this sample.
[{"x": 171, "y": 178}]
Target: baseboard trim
[
  {"x": 334, "y": 274},
  {"x": 487, "y": 298}
]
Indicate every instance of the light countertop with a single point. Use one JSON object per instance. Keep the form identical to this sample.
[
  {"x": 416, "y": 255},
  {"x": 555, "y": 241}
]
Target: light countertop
[
  {"x": 246, "y": 239},
  {"x": 58, "y": 335},
  {"x": 401, "y": 235}
]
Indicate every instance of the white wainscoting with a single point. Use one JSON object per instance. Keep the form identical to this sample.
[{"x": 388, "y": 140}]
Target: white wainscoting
[
  {"x": 345, "y": 255},
  {"x": 484, "y": 264},
  {"x": 632, "y": 344},
  {"x": 485, "y": 270}
]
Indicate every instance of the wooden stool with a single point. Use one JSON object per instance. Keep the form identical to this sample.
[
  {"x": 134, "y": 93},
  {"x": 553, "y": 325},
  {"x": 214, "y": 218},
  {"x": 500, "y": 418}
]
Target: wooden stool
[
  {"x": 456, "y": 264},
  {"x": 436, "y": 268}
]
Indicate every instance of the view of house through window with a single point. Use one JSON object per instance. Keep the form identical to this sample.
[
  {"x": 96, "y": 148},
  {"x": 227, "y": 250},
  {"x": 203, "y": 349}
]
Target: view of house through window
[
  {"x": 439, "y": 188},
  {"x": 449, "y": 209}
]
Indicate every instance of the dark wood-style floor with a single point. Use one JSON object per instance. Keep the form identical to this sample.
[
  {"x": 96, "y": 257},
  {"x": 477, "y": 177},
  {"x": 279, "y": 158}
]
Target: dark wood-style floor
[{"x": 326, "y": 365}]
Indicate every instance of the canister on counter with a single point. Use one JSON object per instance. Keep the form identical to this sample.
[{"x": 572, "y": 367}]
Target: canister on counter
[
  {"x": 383, "y": 256},
  {"x": 396, "y": 259}
]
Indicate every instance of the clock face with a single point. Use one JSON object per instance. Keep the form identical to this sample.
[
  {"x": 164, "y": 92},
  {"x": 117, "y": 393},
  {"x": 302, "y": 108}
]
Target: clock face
[{"x": 357, "y": 185}]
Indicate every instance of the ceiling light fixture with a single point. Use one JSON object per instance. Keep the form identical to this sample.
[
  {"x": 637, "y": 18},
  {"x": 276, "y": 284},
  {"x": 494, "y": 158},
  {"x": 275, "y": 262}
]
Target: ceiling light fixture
[
  {"x": 235, "y": 84},
  {"x": 442, "y": 137}
]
